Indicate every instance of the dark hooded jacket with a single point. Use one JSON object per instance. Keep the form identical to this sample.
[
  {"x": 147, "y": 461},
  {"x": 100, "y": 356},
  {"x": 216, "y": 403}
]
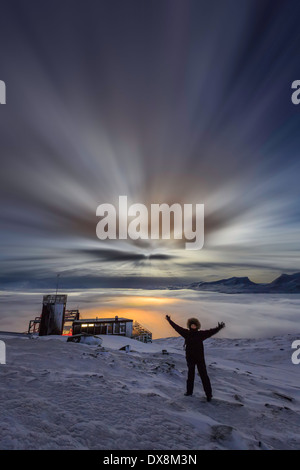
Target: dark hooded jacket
[{"x": 194, "y": 340}]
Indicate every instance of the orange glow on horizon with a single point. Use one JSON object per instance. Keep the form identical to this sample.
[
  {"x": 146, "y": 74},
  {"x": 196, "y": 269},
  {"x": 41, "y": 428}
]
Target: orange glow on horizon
[
  {"x": 140, "y": 300},
  {"x": 147, "y": 310}
]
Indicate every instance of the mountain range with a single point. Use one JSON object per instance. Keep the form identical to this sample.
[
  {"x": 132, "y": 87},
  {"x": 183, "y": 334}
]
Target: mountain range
[{"x": 284, "y": 284}]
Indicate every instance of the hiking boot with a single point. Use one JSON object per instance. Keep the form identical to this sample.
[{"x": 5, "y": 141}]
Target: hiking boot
[{"x": 188, "y": 394}]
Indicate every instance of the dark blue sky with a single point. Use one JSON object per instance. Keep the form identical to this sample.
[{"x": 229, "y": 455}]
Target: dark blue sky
[{"x": 162, "y": 101}]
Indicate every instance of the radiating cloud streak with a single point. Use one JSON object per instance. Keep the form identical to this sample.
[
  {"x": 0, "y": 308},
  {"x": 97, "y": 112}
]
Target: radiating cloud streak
[{"x": 181, "y": 101}]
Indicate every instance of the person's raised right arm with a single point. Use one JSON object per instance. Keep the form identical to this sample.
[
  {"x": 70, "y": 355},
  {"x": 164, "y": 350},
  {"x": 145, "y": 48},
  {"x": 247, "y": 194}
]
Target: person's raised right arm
[{"x": 182, "y": 331}]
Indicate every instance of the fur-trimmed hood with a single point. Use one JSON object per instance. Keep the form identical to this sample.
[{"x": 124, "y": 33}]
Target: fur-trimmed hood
[{"x": 194, "y": 321}]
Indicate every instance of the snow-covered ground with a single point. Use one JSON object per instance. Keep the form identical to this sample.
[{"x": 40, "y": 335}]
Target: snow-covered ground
[{"x": 61, "y": 395}]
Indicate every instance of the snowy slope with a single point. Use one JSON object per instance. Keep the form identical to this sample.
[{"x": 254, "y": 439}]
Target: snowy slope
[{"x": 59, "y": 395}]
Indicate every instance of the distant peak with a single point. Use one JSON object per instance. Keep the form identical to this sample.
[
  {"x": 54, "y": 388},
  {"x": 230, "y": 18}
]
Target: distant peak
[
  {"x": 283, "y": 278},
  {"x": 238, "y": 280},
  {"x": 233, "y": 281}
]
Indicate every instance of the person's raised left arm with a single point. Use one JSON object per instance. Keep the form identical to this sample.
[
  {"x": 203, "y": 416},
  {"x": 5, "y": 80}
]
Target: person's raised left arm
[{"x": 208, "y": 333}]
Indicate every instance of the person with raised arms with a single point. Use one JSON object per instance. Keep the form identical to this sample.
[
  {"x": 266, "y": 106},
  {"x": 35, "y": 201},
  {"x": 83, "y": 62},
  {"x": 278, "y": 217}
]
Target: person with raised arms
[{"x": 194, "y": 352}]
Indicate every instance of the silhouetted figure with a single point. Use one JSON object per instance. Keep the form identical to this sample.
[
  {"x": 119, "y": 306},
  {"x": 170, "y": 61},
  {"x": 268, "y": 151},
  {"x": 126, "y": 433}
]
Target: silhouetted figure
[{"x": 194, "y": 352}]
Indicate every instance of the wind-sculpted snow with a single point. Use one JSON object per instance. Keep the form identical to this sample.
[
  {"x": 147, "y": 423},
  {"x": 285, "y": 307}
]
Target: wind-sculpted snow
[{"x": 62, "y": 395}]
